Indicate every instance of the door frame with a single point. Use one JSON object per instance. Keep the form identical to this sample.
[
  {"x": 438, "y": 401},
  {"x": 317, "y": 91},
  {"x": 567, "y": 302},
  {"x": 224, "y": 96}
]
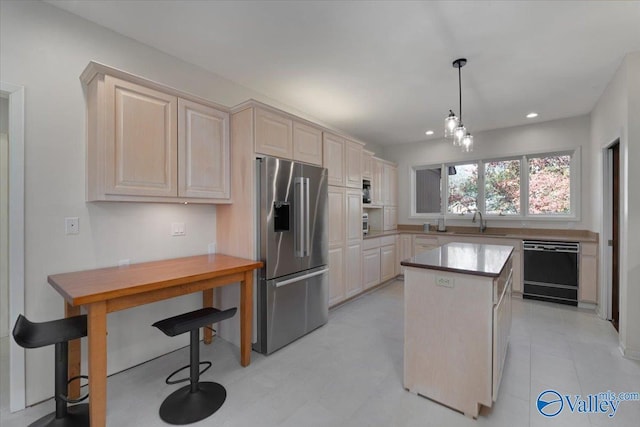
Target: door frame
[{"x": 17, "y": 390}]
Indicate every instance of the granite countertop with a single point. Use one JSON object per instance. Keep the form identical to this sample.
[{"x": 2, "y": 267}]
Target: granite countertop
[
  {"x": 467, "y": 258},
  {"x": 493, "y": 232}
]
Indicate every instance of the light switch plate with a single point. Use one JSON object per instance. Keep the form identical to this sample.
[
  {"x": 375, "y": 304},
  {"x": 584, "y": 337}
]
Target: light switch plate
[
  {"x": 447, "y": 282},
  {"x": 178, "y": 229}
]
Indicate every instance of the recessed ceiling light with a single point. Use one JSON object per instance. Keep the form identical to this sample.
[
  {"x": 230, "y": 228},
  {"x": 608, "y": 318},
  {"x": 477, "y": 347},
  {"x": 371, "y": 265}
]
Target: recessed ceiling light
[
  {"x": 429, "y": 132},
  {"x": 532, "y": 115}
]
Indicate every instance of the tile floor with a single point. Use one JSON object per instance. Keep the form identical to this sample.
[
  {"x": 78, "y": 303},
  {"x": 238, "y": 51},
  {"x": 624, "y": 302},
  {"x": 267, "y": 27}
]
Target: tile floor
[{"x": 349, "y": 373}]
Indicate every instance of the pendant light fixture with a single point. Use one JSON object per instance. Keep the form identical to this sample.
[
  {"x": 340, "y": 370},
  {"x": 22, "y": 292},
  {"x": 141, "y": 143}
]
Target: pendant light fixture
[{"x": 453, "y": 125}]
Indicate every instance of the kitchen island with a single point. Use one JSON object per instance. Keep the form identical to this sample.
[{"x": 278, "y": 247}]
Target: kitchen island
[{"x": 457, "y": 322}]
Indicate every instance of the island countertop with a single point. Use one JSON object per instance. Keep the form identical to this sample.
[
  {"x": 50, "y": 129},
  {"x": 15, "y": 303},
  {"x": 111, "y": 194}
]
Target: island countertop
[{"x": 466, "y": 258}]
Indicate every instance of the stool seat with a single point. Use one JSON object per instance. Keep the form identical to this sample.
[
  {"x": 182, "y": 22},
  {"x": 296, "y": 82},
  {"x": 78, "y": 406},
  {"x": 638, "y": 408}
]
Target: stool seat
[
  {"x": 186, "y": 322},
  {"x": 33, "y": 334}
]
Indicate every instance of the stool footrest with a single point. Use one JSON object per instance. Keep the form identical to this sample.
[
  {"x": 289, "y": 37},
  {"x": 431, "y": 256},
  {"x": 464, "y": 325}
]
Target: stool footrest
[
  {"x": 170, "y": 381},
  {"x": 81, "y": 398}
]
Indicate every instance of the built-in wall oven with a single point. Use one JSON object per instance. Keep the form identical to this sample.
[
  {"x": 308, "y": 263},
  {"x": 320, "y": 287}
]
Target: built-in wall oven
[{"x": 551, "y": 271}]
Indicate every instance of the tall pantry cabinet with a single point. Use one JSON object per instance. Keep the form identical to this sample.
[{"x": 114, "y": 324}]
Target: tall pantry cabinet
[{"x": 343, "y": 159}]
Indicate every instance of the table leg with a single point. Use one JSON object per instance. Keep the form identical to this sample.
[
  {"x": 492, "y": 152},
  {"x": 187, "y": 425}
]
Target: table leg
[
  {"x": 97, "y": 333},
  {"x": 246, "y": 313},
  {"x": 207, "y": 301},
  {"x": 73, "y": 391}
]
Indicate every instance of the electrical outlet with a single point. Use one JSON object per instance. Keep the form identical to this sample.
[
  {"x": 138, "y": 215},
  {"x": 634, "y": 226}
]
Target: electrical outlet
[
  {"x": 178, "y": 229},
  {"x": 72, "y": 225},
  {"x": 211, "y": 248},
  {"x": 447, "y": 282}
]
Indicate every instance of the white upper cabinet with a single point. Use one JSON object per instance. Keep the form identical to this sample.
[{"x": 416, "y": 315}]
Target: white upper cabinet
[
  {"x": 274, "y": 134},
  {"x": 203, "y": 151},
  {"x": 367, "y": 164},
  {"x": 333, "y": 158},
  {"x": 353, "y": 163},
  {"x": 307, "y": 144},
  {"x": 150, "y": 143},
  {"x": 140, "y": 142}
]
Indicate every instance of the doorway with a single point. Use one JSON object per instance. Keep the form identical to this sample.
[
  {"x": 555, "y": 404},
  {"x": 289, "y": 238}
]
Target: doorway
[
  {"x": 14, "y": 178},
  {"x": 614, "y": 242}
]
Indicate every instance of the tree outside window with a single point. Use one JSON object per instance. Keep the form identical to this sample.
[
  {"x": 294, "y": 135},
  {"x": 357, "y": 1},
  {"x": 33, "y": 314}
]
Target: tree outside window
[
  {"x": 463, "y": 188},
  {"x": 550, "y": 185},
  {"x": 502, "y": 187}
]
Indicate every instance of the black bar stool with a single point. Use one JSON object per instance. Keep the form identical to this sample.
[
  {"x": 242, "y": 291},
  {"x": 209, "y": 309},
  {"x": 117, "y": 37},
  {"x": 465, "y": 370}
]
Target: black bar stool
[
  {"x": 198, "y": 400},
  {"x": 28, "y": 334}
]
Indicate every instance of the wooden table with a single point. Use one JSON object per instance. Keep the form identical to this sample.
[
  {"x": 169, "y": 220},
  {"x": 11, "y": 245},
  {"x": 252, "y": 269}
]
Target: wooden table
[{"x": 111, "y": 289}]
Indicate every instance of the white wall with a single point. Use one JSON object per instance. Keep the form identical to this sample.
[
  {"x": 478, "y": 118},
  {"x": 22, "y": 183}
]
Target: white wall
[
  {"x": 553, "y": 135},
  {"x": 45, "y": 49},
  {"x": 4, "y": 216},
  {"x": 616, "y": 116}
]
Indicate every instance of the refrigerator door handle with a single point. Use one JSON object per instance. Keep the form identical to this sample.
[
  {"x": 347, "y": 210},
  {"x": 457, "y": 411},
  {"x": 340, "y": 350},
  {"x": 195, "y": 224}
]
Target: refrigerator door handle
[
  {"x": 307, "y": 238},
  {"x": 300, "y": 222},
  {"x": 297, "y": 279}
]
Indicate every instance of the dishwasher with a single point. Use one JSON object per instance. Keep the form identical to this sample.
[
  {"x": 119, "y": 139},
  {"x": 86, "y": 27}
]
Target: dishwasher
[{"x": 551, "y": 271}]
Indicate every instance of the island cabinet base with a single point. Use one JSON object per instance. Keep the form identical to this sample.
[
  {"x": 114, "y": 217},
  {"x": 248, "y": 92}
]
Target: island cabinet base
[{"x": 448, "y": 338}]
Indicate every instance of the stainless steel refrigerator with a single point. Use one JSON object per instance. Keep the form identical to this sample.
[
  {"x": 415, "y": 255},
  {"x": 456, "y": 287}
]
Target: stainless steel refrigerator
[{"x": 293, "y": 287}]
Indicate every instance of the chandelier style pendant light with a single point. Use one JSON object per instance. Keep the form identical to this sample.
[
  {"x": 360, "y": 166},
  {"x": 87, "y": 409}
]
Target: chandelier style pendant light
[{"x": 453, "y": 125}]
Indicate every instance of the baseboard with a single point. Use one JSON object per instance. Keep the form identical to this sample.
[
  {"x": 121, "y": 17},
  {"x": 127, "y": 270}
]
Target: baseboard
[
  {"x": 588, "y": 305},
  {"x": 628, "y": 353}
]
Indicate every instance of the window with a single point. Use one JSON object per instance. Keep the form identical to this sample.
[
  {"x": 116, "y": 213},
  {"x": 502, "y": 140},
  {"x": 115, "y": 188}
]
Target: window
[
  {"x": 550, "y": 185},
  {"x": 463, "y": 188},
  {"x": 428, "y": 190},
  {"x": 529, "y": 186},
  {"x": 502, "y": 187}
]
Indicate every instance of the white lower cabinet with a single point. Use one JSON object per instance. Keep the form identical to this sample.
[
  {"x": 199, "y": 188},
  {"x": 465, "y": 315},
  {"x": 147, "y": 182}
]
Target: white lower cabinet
[
  {"x": 387, "y": 262},
  {"x": 353, "y": 269},
  {"x": 337, "y": 288},
  {"x": 370, "y": 267}
]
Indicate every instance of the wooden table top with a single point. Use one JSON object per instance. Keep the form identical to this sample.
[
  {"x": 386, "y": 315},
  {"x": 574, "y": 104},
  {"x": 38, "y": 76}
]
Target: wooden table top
[{"x": 89, "y": 286}]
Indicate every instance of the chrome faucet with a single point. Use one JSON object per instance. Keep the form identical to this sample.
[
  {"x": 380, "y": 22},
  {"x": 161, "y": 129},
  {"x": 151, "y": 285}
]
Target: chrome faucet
[{"x": 483, "y": 223}]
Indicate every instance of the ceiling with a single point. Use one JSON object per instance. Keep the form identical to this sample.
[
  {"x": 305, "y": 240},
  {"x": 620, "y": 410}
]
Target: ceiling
[{"x": 381, "y": 71}]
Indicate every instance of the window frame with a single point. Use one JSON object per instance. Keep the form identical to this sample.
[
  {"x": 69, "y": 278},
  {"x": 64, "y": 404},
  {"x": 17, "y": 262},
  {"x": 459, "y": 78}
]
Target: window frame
[{"x": 524, "y": 215}]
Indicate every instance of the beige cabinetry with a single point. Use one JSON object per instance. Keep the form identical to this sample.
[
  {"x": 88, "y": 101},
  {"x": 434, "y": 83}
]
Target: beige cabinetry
[
  {"x": 281, "y": 136},
  {"x": 353, "y": 165},
  {"x": 274, "y": 134},
  {"x": 370, "y": 267},
  {"x": 333, "y": 158},
  {"x": 148, "y": 142},
  {"x": 337, "y": 215},
  {"x": 424, "y": 243},
  {"x": 588, "y": 273},
  {"x": 388, "y": 261},
  {"x": 203, "y": 151},
  {"x": 367, "y": 164},
  {"x": 337, "y": 288},
  {"x": 376, "y": 182},
  {"x": 390, "y": 218},
  {"x": 389, "y": 184},
  {"x": 404, "y": 249},
  {"x": 353, "y": 268}
]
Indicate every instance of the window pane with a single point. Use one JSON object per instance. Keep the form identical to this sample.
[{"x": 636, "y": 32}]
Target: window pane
[
  {"x": 463, "y": 188},
  {"x": 550, "y": 185},
  {"x": 428, "y": 191},
  {"x": 502, "y": 187}
]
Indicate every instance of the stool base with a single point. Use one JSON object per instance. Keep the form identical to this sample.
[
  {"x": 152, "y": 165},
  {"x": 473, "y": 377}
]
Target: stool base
[
  {"x": 184, "y": 407},
  {"x": 77, "y": 416}
]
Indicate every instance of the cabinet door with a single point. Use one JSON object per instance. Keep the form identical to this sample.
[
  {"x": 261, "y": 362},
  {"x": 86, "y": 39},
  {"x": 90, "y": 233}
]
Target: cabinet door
[
  {"x": 354, "y": 214},
  {"x": 405, "y": 249},
  {"x": 367, "y": 164},
  {"x": 353, "y": 154},
  {"x": 337, "y": 212},
  {"x": 307, "y": 144},
  {"x": 389, "y": 184},
  {"x": 588, "y": 274},
  {"x": 337, "y": 290},
  {"x": 333, "y": 159},
  {"x": 376, "y": 182},
  {"x": 390, "y": 220},
  {"x": 353, "y": 268},
  {"x": 387, "y": 262},
  {"x": 203, "y": 151},
  {"x": 274, "y": 134},
  {"x": 370, "y": 267},
  {"x": 141, "y": 140}
]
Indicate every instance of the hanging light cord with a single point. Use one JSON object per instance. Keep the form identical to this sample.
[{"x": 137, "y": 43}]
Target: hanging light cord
[{"x": 460, "y": 88}]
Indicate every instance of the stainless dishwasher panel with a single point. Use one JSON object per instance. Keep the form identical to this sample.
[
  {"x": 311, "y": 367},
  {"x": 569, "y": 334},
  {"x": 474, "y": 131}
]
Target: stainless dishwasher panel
[{"x": 290, "y": 307}]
